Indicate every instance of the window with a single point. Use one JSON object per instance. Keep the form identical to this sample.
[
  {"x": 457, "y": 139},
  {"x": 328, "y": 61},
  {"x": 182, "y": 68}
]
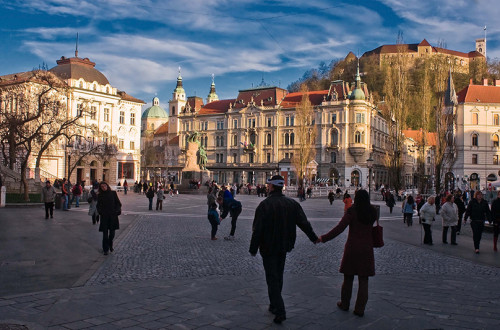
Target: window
[
  {"x": 106, "y": 114},
  {"x": 335, "y": 137},
  {"x": 132, "y": 145},
  {"x": 268, "y": 139},
  {"x": 253, "y": 138},
  {"x": 474, "y": 140},
  {"x": 105, "y": 138},
  {"x": 250, "y": 158},
  {"x": 287, "y": 139},
  {"x": 287, "y": 121},
  {"x": 286, "y": 155},
  {"x": 474, "y": 159},
  {"x": 93, "y": 112},
  {"x": 334, "y": 118},
  {"x": 251, "y": 122},
  {"x": 495, "y": 140},
  {"x": 496, "y": 120},
  {"x": 220, "y": 124},
  {"x": 292, "y": 120},
  {"x": 268, "y": 158},
  {"x": 357, "y": 137},
  {"x": 495, "y": 160},
  {"x": 475, "y": 119},
  {"x": 132, "y": 119},
  {"x": 292, "y": 138},
  {"x": 79, "y": 109},
  {"x": 235, "y": 140},
  {"x": 217, "y": 141},
  {"x": 360, "y": 118},
  {"x": 121, "y": 143},
  {"x": 269, "y": 121},
  {"x": 334, "y": 157},
  {"x": 122, "y": 117},
  {"x": 235, "y": 158},
  {"x": 204, "y": 125},
  {"x": 173, "y": 111},
  {"x": 125, "y": 170}
]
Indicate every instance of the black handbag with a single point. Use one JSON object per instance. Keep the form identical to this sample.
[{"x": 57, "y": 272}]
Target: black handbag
[{"x": 378, "y": 236}]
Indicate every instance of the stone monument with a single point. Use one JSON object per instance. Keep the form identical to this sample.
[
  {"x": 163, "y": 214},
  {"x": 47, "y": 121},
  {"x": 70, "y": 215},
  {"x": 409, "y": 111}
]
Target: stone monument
[{"x": 195, "y": 168}]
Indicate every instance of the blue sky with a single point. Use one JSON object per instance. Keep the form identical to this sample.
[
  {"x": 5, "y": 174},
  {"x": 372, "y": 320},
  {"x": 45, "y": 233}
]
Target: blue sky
[{"x": 139, "y": 45}]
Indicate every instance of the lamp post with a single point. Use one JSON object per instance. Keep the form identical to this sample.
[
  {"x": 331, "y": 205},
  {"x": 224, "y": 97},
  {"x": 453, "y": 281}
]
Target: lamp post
[
  {"x": 369, "y": 164},
  {"x": 69, "y": 146}
]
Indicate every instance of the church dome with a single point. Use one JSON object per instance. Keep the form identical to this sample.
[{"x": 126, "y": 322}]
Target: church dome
[
  {"x": 357, "y": 94},
  {"x": 76, "y": 68},
  {"x": 155, "y": 111}
]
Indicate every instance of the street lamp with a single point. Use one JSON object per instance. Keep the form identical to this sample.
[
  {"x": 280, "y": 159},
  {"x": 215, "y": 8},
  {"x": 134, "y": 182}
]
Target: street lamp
[
  {"x": 369, "y": 164},
  {"x": 69, "y": 146}
]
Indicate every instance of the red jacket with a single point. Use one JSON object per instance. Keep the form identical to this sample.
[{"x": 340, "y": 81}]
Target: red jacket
[{"x": 358, "y": 256}]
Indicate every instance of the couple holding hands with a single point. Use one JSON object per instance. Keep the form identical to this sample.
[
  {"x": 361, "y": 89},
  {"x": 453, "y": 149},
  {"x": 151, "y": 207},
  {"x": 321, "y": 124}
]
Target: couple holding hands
[{"x": 274, "y": 234}]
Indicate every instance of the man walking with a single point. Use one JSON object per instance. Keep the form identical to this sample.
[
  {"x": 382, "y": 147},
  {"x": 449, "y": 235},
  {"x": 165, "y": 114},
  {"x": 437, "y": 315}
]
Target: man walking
[
  {"x": 48, "y": 195},
  {"x": 274, "y": 234}
]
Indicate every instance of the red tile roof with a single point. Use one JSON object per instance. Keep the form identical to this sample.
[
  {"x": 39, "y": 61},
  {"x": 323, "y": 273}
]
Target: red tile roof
[
  {"x": 424, "y": 43},
  {"x": 479, "y": 94},
  {"x": 266, "y": 96},
  {"x": 294, "y": 99},
  {"x": 417, "y": 136},
  {"x": 129, "y": 98},
  {"x": 216, "y": 107},
  {"x": 163, "y": 129}
]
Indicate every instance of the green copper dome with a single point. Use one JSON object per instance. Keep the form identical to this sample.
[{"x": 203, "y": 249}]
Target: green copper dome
[
  {"x": 155, "y": 111},
  {"x": 357, "y": 94}
]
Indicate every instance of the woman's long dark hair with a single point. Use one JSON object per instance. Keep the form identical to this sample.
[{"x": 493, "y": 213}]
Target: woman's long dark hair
[
  {"x": 410, "y": 200},
  {"x": 103, "y": 182},
  {"x": 367, "y": 214}
]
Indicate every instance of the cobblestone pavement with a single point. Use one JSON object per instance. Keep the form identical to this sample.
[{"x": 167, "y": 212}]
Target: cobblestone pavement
[{"x": 167, "y": 273}]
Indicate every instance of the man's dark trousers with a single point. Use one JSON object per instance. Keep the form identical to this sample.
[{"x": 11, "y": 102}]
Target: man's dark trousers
[{"x": 274, "y": 266}]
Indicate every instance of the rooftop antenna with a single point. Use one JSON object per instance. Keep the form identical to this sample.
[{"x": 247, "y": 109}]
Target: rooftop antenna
[{"x": 76, "y": 49}]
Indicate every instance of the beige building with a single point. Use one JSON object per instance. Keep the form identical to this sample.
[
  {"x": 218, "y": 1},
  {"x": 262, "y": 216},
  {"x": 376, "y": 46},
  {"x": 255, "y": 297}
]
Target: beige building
[
  {"x": 253, "y": 136},
  {"x": 112, "y": 120},
  {"x": 459, "y": 61}
]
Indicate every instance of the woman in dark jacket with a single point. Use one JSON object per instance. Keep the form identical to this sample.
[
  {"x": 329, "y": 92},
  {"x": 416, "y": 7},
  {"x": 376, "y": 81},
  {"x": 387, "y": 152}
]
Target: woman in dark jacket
[
  {"x": 479, "y": 211},
  {"x": 358, "y": 256},
  {"x": 109, "y": 208},
  {"x": 461, "y": 210},
  {"x": 495, "y": 216}
]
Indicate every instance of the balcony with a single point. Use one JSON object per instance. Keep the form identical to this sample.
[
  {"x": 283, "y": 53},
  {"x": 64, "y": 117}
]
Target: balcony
[
  {"x": 357, "y": 150},
  {"x": 332, "y": 147}
]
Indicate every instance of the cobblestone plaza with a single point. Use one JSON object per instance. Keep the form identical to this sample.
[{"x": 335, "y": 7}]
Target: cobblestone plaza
[{"x": 166, "y": 273}]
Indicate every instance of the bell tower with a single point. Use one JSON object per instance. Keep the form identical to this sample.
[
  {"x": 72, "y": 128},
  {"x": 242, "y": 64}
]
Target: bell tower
[{"x": 176, "y": 105}]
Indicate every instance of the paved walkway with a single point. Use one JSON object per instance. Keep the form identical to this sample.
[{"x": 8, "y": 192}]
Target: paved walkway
[{"x": 167, "y": 274}]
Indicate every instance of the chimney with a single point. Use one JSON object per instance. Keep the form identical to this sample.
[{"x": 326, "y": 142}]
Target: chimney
[
  {"x": 470, "y": 81},
  {"x": 485, "y": 82}
]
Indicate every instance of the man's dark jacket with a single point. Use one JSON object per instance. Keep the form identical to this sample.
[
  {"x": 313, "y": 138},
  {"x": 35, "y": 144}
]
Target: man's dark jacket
[
  {"x": 477, "y": 211},
  {"x": 274, "y": 224}
]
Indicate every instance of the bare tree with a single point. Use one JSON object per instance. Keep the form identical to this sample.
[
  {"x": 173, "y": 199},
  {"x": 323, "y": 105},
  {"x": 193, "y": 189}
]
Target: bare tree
[{"x": 306, "y": 136}]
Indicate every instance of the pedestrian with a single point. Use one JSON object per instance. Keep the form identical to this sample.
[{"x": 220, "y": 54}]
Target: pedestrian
[
  {"x": 109, "y": 208},
  {"x": 48, "y": 197},
  {"x": 449, "y": 213},
  {"x": 160, "y": 196},
  {"x": 390, "y": 201},
  {"x": 408, "y": 206},
  {"x": 461, "y": 210},
  {"x": 347, "y": 201},
  {"x": 495, "y": 217},
  {"x": 479, "y": 211},
  {"x": 93, "y": 203},
  {"x": 77, "y": 193},
  {"x": 427, "y": 214},
  {"x": 214, "y": 219},
  {"x": 331, "y": 197},
  {"x": 65, "y": 194},
  {"x": 358, "y": 256},
  {"x": 125, "y": 187},
  {"x": 150, "y": 194},
  {"x": 211, "y": 197},
  {"x": 232, "y": 207},
  {"x": 274, "y": 234},
  {"x": 144, "y": 187},
  {"x": 309, "y": 192}
]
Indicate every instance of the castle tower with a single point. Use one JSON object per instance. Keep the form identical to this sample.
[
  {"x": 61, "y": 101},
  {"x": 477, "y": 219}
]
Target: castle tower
[{"x": 481, "y": 46}]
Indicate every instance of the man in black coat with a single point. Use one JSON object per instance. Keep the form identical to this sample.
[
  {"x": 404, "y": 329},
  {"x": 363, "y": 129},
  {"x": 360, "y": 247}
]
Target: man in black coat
[{"x": 274, "y": 234}]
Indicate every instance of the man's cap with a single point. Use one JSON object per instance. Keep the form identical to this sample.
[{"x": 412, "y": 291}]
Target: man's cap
[{"x": 277, "y": 180}]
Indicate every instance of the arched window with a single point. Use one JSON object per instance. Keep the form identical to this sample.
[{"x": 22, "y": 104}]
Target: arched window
[
  {"x": 287, "y": 139},
  {"x": 268, "y": 139},
  {"x": 496, "y": 120},
  {"x": 495, "y": 140},
  {"x": 475, "y": 119},
  {"x": 355, "y": 178},
  {"x": 173, "y": 110},
  {"x": 475, "y": 139},
  {"x": 235, "y": 140},
  {"x": 292, "y": 138},
  {"x": 357, "y": 137},
  {"x": 335, "y": 137}
]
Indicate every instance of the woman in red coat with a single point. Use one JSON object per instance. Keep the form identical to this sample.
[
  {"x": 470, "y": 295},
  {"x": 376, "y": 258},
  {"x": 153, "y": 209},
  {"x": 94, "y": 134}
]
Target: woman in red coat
[{"x": 358, "y": 252}]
